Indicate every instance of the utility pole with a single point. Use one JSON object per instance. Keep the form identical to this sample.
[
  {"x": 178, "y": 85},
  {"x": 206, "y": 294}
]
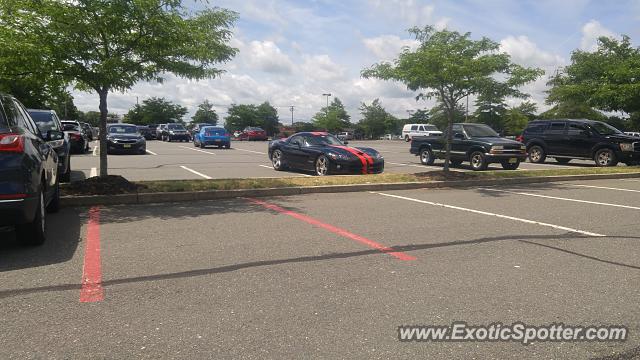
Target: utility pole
[
  {"x": 466, "y": 117},
  {"x": 292, "y": 108},
  {"x": 327, "y": 108}
]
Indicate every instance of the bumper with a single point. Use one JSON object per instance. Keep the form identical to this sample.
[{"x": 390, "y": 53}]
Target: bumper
[
  {"x": 216, "y": 141},
  {"x": 628, "y": 156},
  {"x": 503, "y": 157},
  {"x": 179, "y": 137},
  {"x": 125, "y": 148},
  {"x": 355, "y": 167},
  {"x": 19, "y": 211}
]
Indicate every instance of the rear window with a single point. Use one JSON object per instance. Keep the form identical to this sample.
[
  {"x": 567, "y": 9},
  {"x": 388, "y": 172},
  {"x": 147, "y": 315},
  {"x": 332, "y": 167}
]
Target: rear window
[
  {"x": 44, "y": 120},
  {"x": 214, "y": 131},
  {"x": 70, "y": 127},
  {"x": 175, "y": 127}
]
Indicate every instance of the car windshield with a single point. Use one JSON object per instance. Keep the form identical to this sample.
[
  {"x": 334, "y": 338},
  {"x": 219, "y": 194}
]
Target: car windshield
[
  {"x": 175, "y": 127},
  {"x": 123, "y": 130},
  {"x": 44, "y": 120},
  {"x": 479, "y": 130},
  {"x": 604, "y": 129},
  {"x": 70, "y": 127},
  {"x": 324, "y": 139}
]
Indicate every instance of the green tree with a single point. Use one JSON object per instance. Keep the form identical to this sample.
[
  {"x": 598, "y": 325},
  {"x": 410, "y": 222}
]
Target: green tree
[
  {"x": 607, "y": 79},
  {"x": 241, "y": 116},
  {"x": 155, "y": 111},
  {"x": 572, "y": 110},
  {"x": 205, "y": 114},
  {"x": 333, "y": 118},
  {"x": 449, "y": 66},
  {"x": 420, "y": 116},
  {"x": 439, "y": 116},
  {"x": 491, "y": 109},
  {"x": 517, "y": 117},
  {"x": 268, "y": 118},
  {"x": 107, "y": 45},
  {"x": 376, "y": 121}
]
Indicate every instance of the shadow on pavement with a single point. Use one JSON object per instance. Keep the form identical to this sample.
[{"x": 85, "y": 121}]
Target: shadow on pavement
[
  {"x": 63, "y": 237},
  {"x": 528, "y": 239}
]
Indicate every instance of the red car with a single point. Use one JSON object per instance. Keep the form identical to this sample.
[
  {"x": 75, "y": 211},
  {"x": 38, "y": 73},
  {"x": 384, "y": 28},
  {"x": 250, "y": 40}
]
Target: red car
[{"x": 253, "y": 134}]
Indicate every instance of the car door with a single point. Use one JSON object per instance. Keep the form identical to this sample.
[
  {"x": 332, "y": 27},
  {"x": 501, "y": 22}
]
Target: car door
[
  {"x": 292, "y": 151},
  {"x": 459, "y": 143},
  {"x": 555, "y": 138},
  {"x": 579, "y": 140}
]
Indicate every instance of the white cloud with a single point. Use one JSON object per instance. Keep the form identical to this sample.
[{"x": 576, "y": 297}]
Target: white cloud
[
  {"x": 525, "y": 52},
  {"x": 267, "y": 56},
  {"x": 387, "y": 47},
  {"x": 591, "y": 31},
  {"x": 321, "y": 67}
]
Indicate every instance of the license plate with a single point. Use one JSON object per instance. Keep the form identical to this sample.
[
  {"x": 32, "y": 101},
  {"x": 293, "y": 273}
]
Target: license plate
[
  {"x": 217, "y": 140},
  {"x": 126, "y": 146},
  {"x": 513, "y": 160}
]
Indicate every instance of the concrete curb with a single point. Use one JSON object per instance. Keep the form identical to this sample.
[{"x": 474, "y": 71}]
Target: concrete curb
[{"x": 166, "y": 197}]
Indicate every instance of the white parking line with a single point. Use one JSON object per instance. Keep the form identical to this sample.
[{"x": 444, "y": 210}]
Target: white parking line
[
  {"x": 93, "y": 172},
  {"x": 95, "y": 150},
  {"x": 197, "y": 173},
  {"x": 251, "y": 151},
  {"x": 634, "y": 180},
  {"x": 151, "y": 152},
  {"x": 399, "y": 164},
  {"x": 202, "y": 151},
  {"x": 605, "y": 188},
  {"x": 492, "y": 214},
  {"x": 564, "y": 199}
]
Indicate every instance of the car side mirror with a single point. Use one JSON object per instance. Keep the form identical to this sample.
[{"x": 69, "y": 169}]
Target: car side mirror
[
  {"x": 53, "y": 135},
  {"x": 458, "y": 136}
]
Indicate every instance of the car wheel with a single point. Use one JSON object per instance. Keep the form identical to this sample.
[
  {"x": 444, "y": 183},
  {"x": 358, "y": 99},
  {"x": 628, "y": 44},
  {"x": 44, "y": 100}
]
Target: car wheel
[
  {"x": 563, "y": 160},
  {"x": 605, "y": 157},
  {"x": 478, "y": 161},
  {"x": 33, "y": 233},
  {"x": 54, "y": 205},
  {"x": 202, "y": 145},
  {"x": 276, "y": 160},
  {"x": 406, "y": 138},
  {"x": 510, "y": 166},
  {"x": 536, "y": 154},
  {"x": 426, "y": 157},
  {"x": 228, "y": 146},
  {"x": 322, "y": 166},
  {"x": 195, "y": 144}
]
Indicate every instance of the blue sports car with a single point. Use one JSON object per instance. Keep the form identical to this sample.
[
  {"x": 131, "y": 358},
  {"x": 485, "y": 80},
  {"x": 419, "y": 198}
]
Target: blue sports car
[{"x": 212, "y": 135}]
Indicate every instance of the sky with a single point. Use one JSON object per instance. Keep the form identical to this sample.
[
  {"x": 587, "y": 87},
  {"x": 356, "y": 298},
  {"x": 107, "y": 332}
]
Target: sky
[{"x": 293, "y": 52}]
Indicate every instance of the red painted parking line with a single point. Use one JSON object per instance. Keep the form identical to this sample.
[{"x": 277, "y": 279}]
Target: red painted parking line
[
  {"x": 334, "y": 229},
  {"x": 92, "y": 290}
]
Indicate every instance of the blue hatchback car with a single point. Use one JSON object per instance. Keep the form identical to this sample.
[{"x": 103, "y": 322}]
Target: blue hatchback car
[{"x": 212, "y": 136}]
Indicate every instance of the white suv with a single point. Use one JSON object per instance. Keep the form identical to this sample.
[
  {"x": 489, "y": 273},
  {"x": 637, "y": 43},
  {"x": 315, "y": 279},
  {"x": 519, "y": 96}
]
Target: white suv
[{"x": 411, "y": 130}]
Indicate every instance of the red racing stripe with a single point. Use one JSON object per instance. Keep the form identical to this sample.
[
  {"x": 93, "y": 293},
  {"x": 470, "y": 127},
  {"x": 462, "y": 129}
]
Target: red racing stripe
[{"x": 355, "y": 152}]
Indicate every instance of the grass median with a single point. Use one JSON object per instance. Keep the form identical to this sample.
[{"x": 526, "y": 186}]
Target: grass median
[{"x": 118, "y": 185}]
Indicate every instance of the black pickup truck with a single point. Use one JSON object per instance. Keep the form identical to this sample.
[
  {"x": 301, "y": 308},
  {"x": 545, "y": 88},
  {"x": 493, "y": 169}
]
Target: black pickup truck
[{"x": 476, "y": 143}]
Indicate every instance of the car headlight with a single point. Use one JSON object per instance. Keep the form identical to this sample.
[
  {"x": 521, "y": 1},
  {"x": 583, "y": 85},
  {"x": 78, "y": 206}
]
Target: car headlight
[
  {"x": 171, "y": 132},
  {"x": 379, "y": 156},
  {"x": 626, "y": 147},
  {"x": 336, "y": 156}
]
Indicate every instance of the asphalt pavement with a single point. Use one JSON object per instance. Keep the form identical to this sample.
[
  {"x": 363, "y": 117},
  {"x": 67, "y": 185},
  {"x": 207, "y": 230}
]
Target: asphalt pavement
[
  {"x": 326, "y": 275},
  {"x": 247, "y": 159}
]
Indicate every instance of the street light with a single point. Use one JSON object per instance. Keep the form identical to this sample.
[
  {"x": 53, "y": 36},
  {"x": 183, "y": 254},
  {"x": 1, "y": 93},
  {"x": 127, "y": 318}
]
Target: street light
[{"x": 327, "y": 95}]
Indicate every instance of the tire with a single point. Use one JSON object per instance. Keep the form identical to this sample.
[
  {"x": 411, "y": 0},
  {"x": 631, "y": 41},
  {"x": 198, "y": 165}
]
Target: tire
[
  {"x": 605, "y": 158},
  {"x": 537, "y": 154},
  {"x": 54, "y": 205},
  {"x": 478, "y": 161},
  {"x": 510, "y": 166},
  {"x": 276, "y": 160},
  {"x": 33, "y": 233},
  {"x": 426, "y": 157},
  {"x": 322, "y": 166},
  {"x": 563, "y": 160},
  {"x": 202, "y": 145},
  {"x": 228, "y": 146},
  {"x": 455, "y": 163},
  {"x": 66, "y": 177},
  {"x": 195, "y": 144},
  {"x": 168, "y": 138},
  {"x": 406, "y": 138}
]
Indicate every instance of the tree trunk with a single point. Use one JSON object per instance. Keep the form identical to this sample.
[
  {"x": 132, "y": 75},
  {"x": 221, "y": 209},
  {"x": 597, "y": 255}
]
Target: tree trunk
[
  {"x": 447, "y": 154},
  {"x": 103, "y": 132}
]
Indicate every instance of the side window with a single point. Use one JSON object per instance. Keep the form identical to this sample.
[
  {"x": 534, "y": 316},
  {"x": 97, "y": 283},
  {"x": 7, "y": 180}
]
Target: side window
[
  {"x": 414, "y": 127},
  {"x": 297, "y": 140},
  {"x": 576, "y": 129},
  {"x": 456, "y": 129},
  {"x": 421, "y": 128},
  {"x": 56, "y": 121},
  {"x": 556, "y": 128},
  {"x": 9, "y": 111},
  {"x": 536, "y": 128}
]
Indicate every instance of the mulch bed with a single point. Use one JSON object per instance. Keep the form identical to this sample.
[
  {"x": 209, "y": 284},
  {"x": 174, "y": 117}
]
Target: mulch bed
[{"x": 110, "y": 185}]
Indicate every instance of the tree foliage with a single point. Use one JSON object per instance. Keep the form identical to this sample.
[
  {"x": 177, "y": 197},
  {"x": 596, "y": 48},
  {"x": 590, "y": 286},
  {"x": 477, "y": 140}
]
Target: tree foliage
[
  {"x": 449, "y": 66},
  {"x": 333, "y": 118},
  {"x": 263, "y": 115},
  {"x": 376, "y": 121},
  {"x": 155, "y": 111},
  {"x": 106, "y": 45},
  {"x": 205, "y": 114}
]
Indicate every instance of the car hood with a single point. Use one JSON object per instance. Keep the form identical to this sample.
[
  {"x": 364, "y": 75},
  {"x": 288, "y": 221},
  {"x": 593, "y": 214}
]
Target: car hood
[
  {"x": 497, "y": 141},
  {"x": 621, "y": 138},
  {"x": 347, "y": 150}
]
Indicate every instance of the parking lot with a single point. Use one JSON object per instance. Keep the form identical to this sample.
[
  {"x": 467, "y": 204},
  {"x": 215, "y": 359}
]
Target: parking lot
[
  {"x": 246, "y": 159},
  {"x": 325, "y": 275}
]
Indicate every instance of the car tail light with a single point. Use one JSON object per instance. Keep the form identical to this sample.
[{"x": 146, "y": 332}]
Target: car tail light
[
  {"x": 227, "y": 134},
  {"x": 12, "y": 143},
  {"x": 75, "y": 136},
  {"x": 520, "y": 139}
]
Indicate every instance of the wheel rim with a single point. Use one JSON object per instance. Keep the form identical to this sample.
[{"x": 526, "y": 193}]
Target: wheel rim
[
  {"x": 277, "y": 159},
  {"x": 426, "y": 156},
  {"x": 42, "y": 213},
  {"x": 476, "y": 161},
  {"x": 604, "y": 158},
  {"x": 321, "y": 166},
  {"x": 535, "y": 154}
]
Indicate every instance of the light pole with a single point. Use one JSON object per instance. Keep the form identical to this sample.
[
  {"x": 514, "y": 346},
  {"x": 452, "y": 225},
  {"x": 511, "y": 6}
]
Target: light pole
[
  {"x": 327, "y": 95},
  {"x": 292, "y": 108}
]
